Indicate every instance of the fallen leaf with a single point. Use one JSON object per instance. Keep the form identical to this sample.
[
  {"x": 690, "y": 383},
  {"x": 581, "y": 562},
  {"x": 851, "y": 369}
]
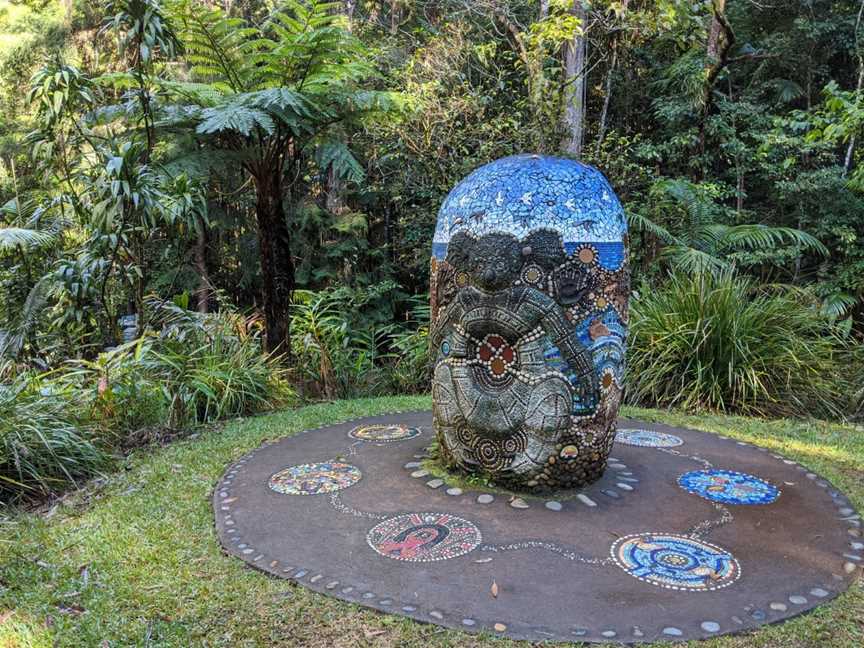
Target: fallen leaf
[
  {"x": 500, "y": 627},
  {"x": 369, "y": 634},
  {"x": 494, "y": 589}
]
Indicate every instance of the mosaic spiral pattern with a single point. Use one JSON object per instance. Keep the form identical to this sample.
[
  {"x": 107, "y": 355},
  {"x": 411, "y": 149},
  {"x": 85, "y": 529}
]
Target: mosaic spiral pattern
[
  {"x": 383, "y": 433},
  {"x": 315, "y": 478},
  {"x": 675, "y": 562},
  {"x": 424, "y": 537},
  {"x": 728, "y": 487},
  {"x": 648, "y": 438}
]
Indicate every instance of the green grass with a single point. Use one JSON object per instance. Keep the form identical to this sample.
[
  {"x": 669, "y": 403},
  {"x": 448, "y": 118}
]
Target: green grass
[{"x": 135, "y": 561}]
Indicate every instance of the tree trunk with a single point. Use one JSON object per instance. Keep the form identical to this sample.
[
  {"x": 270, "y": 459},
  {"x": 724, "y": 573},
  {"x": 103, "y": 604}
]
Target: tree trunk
[
  {"x": 716, "y": 33},
  {"x": 544, "y": 9},
  {"x": 574, "y": 88},
  {"x": 847, "y": 161},
  {"x": 277, "y": 266},
  {"x": 202, "y": 293},
  {"x": 721, "y": 37},
  {"x": 604, "y": 114},
  {"x": 601, "y": 132}
]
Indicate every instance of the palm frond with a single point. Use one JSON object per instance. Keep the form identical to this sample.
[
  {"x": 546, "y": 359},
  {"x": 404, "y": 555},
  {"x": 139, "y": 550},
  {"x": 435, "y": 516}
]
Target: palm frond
[
  {"x": 19, "y": 238},
  {"x": 692, "y": 261},
  {"x": 765, "y": 236},
  {"x": 643, "y": 223}
]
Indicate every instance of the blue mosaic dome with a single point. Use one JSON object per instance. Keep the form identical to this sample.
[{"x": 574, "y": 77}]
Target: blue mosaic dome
[
  {"x": 528, "y": 291},
  {"x": 523, "y": 193}
]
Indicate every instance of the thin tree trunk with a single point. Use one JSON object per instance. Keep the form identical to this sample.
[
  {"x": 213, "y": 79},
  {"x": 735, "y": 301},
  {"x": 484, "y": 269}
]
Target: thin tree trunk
[
  {"x": 847, "y": 162},
  {"x": 574, "y": 88},
  {"x": 601, "y": 132},
  {"x": 277, "y": 266},
  {"x": 720, "y": 40},
  {"x": 202, "y": 293},
  {"x": 604, "y": 113},
  {"x": 544, "y": 9}
]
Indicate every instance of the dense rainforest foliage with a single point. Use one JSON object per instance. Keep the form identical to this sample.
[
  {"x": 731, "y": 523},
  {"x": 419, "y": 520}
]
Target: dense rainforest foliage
[{"x": 244, "y": 192}]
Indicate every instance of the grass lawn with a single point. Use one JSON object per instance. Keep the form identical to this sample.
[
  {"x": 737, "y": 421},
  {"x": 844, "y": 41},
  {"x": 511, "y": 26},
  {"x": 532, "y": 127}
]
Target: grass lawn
[{"x": 135, "y": 561}]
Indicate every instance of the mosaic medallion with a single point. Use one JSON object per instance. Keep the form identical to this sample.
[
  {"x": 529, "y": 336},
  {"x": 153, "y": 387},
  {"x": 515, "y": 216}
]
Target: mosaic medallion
[
  {"x": 648, "y": 438},
  {"x": 675, "y": 562},
  {"x": 424, "y": 537},
  {"x": 315, "y": 478},
  {"x": 728, "y": 487},
  {"x": 383, "y": 433}
]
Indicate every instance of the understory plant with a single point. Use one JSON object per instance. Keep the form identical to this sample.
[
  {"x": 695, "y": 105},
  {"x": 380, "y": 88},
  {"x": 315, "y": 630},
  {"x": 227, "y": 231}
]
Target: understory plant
[
  {"x": 718, "y": 341},
  {"x": 44, "y": 443},
  {"x": 59, "y": 427}
]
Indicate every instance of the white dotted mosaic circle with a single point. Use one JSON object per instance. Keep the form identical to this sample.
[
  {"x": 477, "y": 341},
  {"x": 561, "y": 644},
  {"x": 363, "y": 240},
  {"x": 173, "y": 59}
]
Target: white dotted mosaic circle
[{"x": 648, "y": 438}]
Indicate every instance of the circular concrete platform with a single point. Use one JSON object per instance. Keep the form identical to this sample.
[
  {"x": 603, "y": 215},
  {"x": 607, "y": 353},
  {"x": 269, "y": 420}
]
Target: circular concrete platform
[{"x": 687, "y": 535}]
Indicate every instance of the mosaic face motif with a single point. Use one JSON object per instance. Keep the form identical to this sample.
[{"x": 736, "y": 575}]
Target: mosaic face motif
[
  {"x": 648, "y": 438},
  {"x": 315, "y": 478},
  {"x": 529, "y": 290},
  {"x": 675, "y": 562},
  {"x": 728, "y": 487},
  {"x": 383, "y": 433},
  {"x": 424, "y": 537}
]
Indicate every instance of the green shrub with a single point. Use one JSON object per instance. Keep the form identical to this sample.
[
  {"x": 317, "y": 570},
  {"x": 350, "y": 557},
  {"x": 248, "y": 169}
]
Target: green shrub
[
  {"x": 44, "y": 445},
  {"x": 118, "y": 391},
  {"x": 335, "y": 357},
  {"x": 719, "y": 342},
  {"x": 198, "y": 368},
  {"x": 410, "y": 372}
]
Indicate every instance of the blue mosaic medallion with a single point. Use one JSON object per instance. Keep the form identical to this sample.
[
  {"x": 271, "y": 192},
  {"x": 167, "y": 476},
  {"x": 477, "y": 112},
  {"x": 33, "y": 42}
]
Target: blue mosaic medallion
[
  {"x": 675, "y": 562},
  {"x": 648, "y": 438},
  {"x": 728, "y": 487},
  {"x": 315, "y": 478}
]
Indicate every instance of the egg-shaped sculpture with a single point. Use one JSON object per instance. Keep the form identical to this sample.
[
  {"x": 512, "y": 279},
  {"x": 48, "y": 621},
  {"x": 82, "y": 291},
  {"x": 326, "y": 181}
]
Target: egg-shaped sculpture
[{"x": 529, "y": 289}]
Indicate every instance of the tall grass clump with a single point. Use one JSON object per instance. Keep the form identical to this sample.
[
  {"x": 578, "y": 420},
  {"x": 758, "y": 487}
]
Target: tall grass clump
[
  {"x": 719, "y": 342},
  {"x": 44, "y": 443},
  {"x": 212, "y": 367},
  {"x": 192, "y": 368}
]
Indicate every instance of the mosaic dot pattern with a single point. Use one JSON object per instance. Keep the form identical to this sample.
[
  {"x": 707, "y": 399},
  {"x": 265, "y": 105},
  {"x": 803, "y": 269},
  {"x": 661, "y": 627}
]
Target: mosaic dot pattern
[
  {"x": 729, "y": 487},
  {"x": 383, "y": 433},
  {"x": 675, "y": 562},
  {"x": 648, "y": 438},
  {"x": 424, "y": 537},
  {"x": 314, "y": 478}
]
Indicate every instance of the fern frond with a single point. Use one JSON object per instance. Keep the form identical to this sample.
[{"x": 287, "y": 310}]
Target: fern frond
[
  {"x": 336, "y": 155},
  {"x": 234, "y": 117}
]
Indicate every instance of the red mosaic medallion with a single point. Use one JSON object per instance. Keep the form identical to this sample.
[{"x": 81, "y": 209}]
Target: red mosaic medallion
[{"x": 424, "y": 537}]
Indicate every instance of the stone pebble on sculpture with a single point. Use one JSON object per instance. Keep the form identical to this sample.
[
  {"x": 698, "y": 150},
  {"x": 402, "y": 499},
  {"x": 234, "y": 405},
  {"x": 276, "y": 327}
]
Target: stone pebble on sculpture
[{"x": 529, "y": 291}]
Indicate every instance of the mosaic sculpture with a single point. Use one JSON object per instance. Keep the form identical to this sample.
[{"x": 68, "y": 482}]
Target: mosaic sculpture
[{"x": 529, "y": 290}]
